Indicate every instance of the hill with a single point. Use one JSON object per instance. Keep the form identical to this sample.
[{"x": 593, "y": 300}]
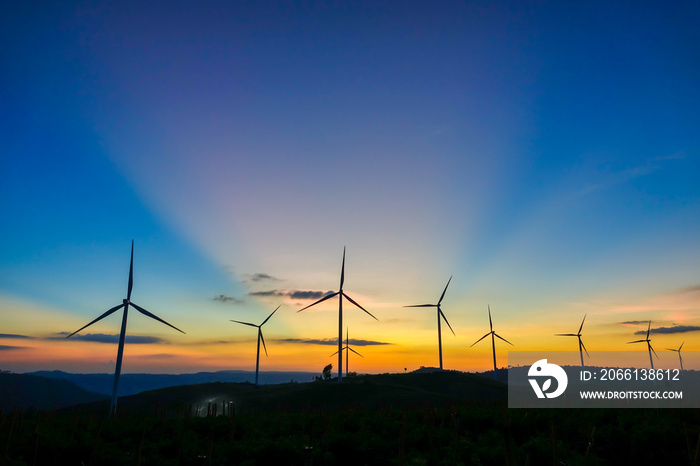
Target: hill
[
  {"x": 130, "y": 384},
  {"x": 24, "y": 391},
  {"x": 367, "y": 391}
]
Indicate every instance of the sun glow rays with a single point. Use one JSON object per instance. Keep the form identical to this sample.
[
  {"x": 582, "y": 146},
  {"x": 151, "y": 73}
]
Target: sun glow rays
[{"x": 242, "y": 147}]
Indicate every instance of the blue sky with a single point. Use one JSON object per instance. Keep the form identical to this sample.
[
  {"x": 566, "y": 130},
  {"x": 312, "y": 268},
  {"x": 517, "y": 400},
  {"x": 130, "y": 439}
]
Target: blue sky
[{"x": 545, "y": 154}]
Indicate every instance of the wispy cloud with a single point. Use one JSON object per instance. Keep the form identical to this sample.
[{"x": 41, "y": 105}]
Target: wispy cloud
[
  {"x": 13, "y": 336},
  {"x": 331, "y": 341},
  {"x": 635, "y": 322},
  {"x": 154, "y": 356},
  {"x": 8, "y": 348},
  {"x": 610, "y": 179},
  {"x": 294, "y": 294},
  {"x": 398, "y": 320},
  {"x": 620, "y": 177},
  {"x": 671, "y": 330},
  {"x": 688, "y": 289},
  {"x": 675, "y": 156},
  {"x": 262, "y": 277},
  {"x": 228, "y": 299},
  {"x": 108, "y": 338}
]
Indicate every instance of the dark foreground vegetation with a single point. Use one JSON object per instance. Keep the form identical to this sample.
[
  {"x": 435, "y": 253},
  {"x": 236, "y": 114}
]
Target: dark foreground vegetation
[{"x": 411, "y": 419}]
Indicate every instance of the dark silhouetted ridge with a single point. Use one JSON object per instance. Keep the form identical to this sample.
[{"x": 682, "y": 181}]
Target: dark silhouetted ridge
[{"x": 24, "y": 391}]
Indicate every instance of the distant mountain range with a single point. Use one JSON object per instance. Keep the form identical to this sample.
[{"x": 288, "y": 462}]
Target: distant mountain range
[
  {"x": 130, "y": 384},
  {"x": 25, "y": 391}
]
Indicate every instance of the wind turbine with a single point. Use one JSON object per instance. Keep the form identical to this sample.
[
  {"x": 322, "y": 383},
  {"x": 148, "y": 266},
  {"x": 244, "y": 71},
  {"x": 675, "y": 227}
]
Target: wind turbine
[
  {"x": 120, "y": 352},
  {"x": 493, "y": 344},
  {"x": 581, "y": 346},
  {"x": 439, "y": 314},
  {"x": 648, "y": 342},
  {"x": 679, "y": 353},
  {"x": 347, "y": 351},
  {"x": 260, "y": 337},
  {"x": 340, "y": 293}
]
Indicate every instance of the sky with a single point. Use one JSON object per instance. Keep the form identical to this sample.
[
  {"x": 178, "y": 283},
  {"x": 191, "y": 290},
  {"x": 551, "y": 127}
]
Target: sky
[{"x": 545, "y": 155}]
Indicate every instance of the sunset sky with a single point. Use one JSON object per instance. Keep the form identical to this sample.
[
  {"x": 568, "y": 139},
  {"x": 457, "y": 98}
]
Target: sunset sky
[{"x": 546, "y": 155}]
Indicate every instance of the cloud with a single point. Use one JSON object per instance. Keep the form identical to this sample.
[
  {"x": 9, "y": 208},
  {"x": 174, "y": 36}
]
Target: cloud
[
  {"x": 154, "y": 356},
  {"x": 398, "y": 320},
  {"x": 688, "y": 289},
  {"x": 262, "y": 277},
  {"x": 300, "y": 294},
  {"x": 11, "y": 335},
  {"x": 266, "y": 293},
  {"x": 294, "y": 294},
  {"x": 610, "y": 179},
  {"x": 7, "y": 348},
  {"x": 670, "y": 330},
  {"x": 331, "y": 342},
  {"x": 676, "y": 156},
  {"x": 225, "y": 299},
  {"x": 635, "y": 322},
  {"x": 107, "y": 338}
]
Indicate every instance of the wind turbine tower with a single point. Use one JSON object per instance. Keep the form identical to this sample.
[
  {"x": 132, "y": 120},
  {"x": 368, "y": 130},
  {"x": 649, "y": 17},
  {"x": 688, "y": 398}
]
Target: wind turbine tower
[
  {"x": 347, "y": 352},
  {"x": 581, "y": 346},
  {"x": 648, "y": 342},
  {"x": 340, "y": 293},
  {"x": 260, "y": 338},
  {"x": 120, "y": 352},
  {"x": 679, "y": 353},
  {"x": 439, "y": 315},
  {"x": 493, "y": 344}
]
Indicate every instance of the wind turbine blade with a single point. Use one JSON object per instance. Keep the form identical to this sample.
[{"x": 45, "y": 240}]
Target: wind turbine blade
[
  {"x": 584, "y": 347},
  {"x": 115, "y": 308},
  {"x": 565, "y": 335},
  {"x": 268, "y": 317},
  {"x": 244, "y": 323},
  {"x": 342, "y": 270},
  {"x": 498, "y": 336},
  {"x": 263, "y": 340},
  {"x": 131, "y": 273},
  {"x": 671, "y": 349},
  {"x": 353, "y": 301},
  {"x": 681, "y": 346},
  {"x": 423, "y": 305},
  {"x": 648, "y": 329},
  {"x": 490, "y": 322},
  {"x": 333, "y": 354},
  {"x": 153, "y": 316},
  {"x": 443, "y": 291},
  {"x": 637, "y": 341},
  {"x": 445, "y": 318},
  {"x": 581, "y": 327},
  {"x": 356, "y": 352},
  {"x": 320, "y": 301},
  {"x": 477, "y": 341}
]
